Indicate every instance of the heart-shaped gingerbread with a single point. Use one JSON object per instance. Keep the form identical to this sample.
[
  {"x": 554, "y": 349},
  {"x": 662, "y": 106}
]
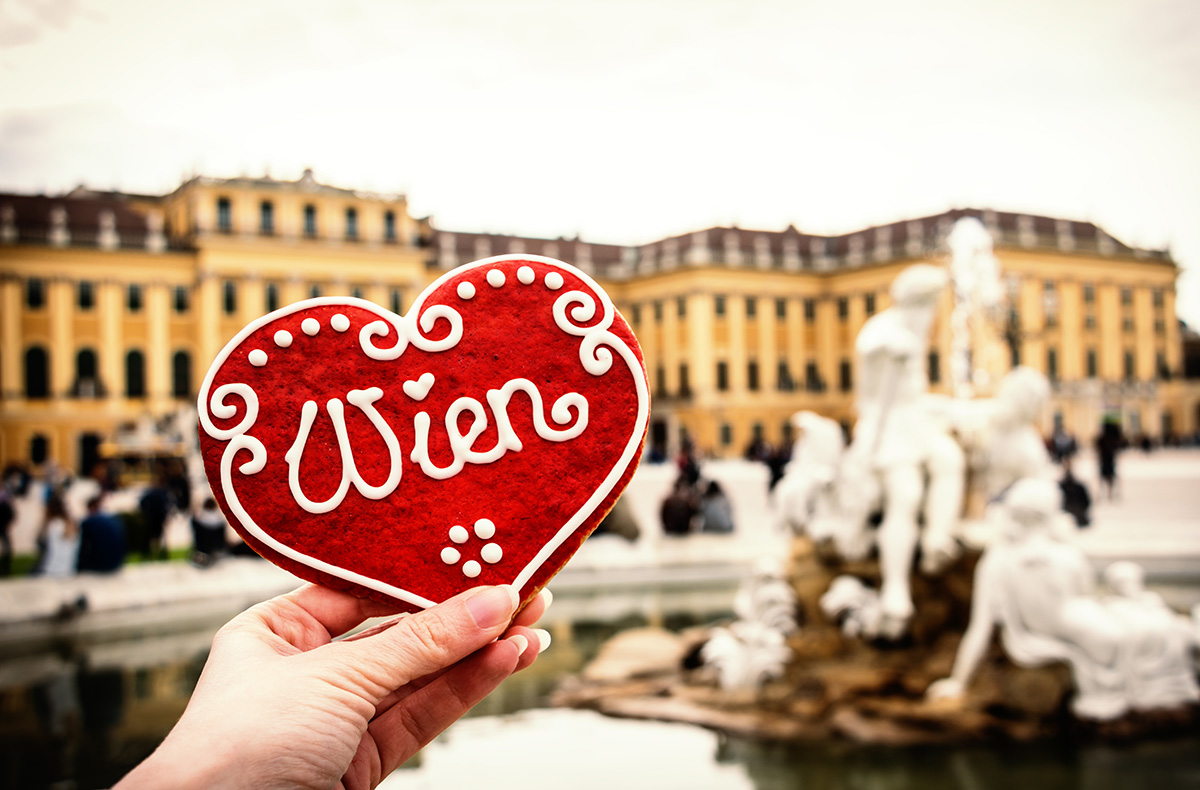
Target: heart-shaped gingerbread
[{"x": 479, "y": 439}]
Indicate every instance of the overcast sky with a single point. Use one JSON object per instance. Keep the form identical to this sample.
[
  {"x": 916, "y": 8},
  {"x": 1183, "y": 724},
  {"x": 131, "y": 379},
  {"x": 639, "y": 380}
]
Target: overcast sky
[{"x": 629, "y": 121}]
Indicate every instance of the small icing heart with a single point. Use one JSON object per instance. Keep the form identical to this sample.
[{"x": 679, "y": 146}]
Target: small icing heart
[{"x": 418, "y": 389}]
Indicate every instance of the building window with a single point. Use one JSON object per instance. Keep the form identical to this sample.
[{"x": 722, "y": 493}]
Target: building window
[
  {"x": 845, "y": 376},
  {"x": 1161, "y": 370},
  {"x": 135, "y": 374},
  {"x": 352, "y": 224},
  {"x": 810, "y": 310},
  {"x": 726, "y": 435},
  {"x": 781, "y": 308},
  {"x": 1014, "y": 354},
  {"x": 1128, "y": 360},
  {"x": 271, "y": 297},
  {"x": 1090, "y": 363},
  {"x": 37, "y": 373},
  {"x": 314, "y": 292},
  {"x": 719, "y": 305},
  {"x": 357, "y": 292},
  {"x": 660, "y": 381},
  {"x": 396, "y": 301},
  {"x": 133, "y": 298},
  {"x": 658, "y": 311},
  {"x": 181, "y": 375},
  {"x": 1156, "y": 297},
  {"x": 681, "y": 306},
  {"x": 637, "y": 314},
  {"x": 182, "y": 299},
  {"x": 35, "y": 293},
  {"x": 1126, "y": 295},
  {"x": 85, "y": 296},
  {"x": 751, "y": 307},
  {"x": 229, "y": 297},
  {"x": 85, "y": 374},
  {"x": 224, "y": 215},
  {"x": 843, "y": 308},
  {"x": 1052, "y": 364},
  {"x": 812, "y": 378},
  {"x": 39, "y": 449},
  {"x": 1089, "y": 321},
  {"x": 1089, "y": 293},
  {"x": 935, "y": 367},
  {"x": 266, "y": 218},
  {"x": 310, "y": 221},
  {"x": 783, "y": 377},
  {"x": 752, "y": 375},
  {"x": 1160, "y": 326},
  {"x": 389, "y": 226},
  {"x": 722, "y": 376},
  {"x": 1127, "y": 323},
  {"x": 869, "y": 303},
  {"x": 685, "y": 386}
]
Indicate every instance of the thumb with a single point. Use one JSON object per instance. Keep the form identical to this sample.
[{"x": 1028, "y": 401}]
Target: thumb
[{"x": 433, "y": 639}]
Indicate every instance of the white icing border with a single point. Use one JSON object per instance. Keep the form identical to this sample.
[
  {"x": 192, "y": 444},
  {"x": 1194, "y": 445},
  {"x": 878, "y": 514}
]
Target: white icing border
[{"x": 594, "y": 356}]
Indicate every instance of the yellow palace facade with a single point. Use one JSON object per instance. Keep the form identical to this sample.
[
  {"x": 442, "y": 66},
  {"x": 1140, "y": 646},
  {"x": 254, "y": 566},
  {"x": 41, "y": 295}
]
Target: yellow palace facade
[{"x": 112, "y": 306}]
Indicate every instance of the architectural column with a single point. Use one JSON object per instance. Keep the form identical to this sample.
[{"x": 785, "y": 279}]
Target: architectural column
[
  {"x": 110, "y": 309},
  {"x": 208, "y": 317},
  {"x": 11, "y": 354},
  {"x": 62, "y": 337},
  {"x": 158, "y": 346}
]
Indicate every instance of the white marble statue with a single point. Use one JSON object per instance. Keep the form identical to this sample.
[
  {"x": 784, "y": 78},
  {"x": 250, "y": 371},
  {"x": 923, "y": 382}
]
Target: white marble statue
[
  {"x": 753, "y": 649},
  {"x": 1038, "y": 588},
  {"x": 854, "y": 605},
  {"x": 805, "y": 496},
  {"x": 903, "y": 443},
  {"x": 977, "y": 290}
]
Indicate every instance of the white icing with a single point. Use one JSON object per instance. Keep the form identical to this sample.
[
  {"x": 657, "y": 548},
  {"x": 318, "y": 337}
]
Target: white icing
[
  {"x": 418, "y": 389},
  {"x": 525, "y": 275},
  {"x": 495, "y": 278},
  {"x": 506, "y": 439},
  {"x": 459, "y": 534},
  {"x": 364, "y": 400},
  {"x": 450, "y": 555},
  {"x": 466, "y": 290},
  {"x": 257, "y": 357},
  {"x": 340, "y": 322},
  {"x": 413, "y": 328},
  {"x": 485, "y": 529},
  {"x": 471, "y": 569},
  {"x": 492, "y": 553},
  {"x": 283, "y": 338}
]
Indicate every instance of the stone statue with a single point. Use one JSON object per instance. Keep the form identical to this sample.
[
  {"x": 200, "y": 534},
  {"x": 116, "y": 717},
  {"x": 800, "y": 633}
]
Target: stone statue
[
  {"x": 753, "y": 649},
  {"x": 854, "y": 605},
  {"x": 1037, "y": 587},
  {"x": 805, "y": 496},
  {"x": 976, "y": 275},
  {"x": 901, "y": 442}
]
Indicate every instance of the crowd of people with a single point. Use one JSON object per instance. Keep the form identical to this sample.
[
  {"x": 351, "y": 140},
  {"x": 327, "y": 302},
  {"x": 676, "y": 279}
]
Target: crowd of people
[{"x": 78, "y": 534}]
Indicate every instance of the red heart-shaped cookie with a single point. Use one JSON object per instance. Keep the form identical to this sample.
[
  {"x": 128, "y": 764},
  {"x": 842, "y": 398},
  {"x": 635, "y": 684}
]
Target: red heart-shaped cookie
[{"x": 478, "y": 439}]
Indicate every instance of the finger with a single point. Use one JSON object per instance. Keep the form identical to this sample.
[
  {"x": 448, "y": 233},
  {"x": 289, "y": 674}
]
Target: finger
[
  {"x": 307, "y": 617},
  {"x": 414, "y": 721},
  {"x": 430, "y": 640},
  {"x": 534, "y": 610}
]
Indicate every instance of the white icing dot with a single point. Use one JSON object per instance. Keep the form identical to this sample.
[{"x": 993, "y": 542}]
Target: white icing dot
[
  {"x": 450, "y": 555},
  {"x": 485, "y": 529},
  {"x": 340, "y": 322},
  {"x": 258, "y": 357},
  {"x": 471, "y": 569},
  {"x": 283, "y": 338},
  {"x": 525, "y": 275},
  {"x": 554, "y": 281},
  {"x": 466, "y": 291},
  {"x": 310, "y": 326},
  {"x": 459, "y": 534},
  {"x": 495, "y": 278},
  {"x": 492, "y": 553}
]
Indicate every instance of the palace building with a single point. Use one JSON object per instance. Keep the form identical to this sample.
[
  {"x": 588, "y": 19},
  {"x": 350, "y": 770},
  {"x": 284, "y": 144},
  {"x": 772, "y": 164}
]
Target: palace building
[{"x": 112, "y": 305}]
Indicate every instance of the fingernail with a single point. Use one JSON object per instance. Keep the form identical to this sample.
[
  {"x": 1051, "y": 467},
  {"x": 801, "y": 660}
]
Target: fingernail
[
  {"x": 549, "y": 596},
  {"x": 520, "y": 641},
  {"x": 543, "y": 639},
  {"x": 493, "y": 606}
]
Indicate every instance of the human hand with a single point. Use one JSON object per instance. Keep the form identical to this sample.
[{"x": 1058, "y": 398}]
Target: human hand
[{"x": 280, "y": 704}]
